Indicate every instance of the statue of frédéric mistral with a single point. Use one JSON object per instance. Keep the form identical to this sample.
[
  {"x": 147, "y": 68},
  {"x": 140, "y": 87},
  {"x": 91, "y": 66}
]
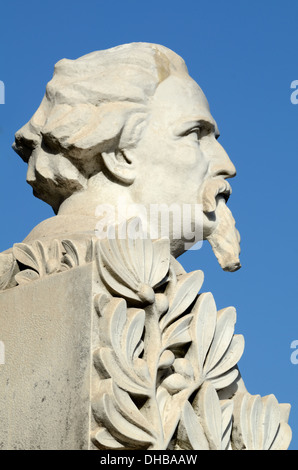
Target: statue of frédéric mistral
[{"x": 128, "y": 129}]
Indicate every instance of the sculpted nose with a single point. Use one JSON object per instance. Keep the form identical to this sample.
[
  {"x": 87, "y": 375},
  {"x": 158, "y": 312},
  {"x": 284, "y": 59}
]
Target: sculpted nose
[{"x": 220, "y": 164}]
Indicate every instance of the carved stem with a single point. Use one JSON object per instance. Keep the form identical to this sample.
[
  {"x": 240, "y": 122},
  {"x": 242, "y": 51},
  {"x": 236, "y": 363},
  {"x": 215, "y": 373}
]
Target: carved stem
[{"x": 152, "y": 351}]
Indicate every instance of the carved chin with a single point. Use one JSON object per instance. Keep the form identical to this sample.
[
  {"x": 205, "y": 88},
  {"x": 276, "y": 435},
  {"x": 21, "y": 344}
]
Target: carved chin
[{"x": 225, "y": 238}]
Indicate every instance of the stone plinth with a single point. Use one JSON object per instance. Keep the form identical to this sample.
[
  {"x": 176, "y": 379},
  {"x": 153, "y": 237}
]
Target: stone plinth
[
  {"x": 45, "y": 382},
  {"x": 119, "y": 350}
]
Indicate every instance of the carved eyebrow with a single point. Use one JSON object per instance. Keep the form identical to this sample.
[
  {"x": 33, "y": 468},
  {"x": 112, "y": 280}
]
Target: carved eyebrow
[{"x": 187, "y": 125}]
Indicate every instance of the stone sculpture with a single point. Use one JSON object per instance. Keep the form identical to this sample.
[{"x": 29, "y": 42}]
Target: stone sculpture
[{"x": 129, "y": 124}]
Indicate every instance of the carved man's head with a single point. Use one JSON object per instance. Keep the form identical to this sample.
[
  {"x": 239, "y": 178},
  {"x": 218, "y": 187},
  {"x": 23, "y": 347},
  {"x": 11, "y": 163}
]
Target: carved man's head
[{"x": 130, "y": 122}]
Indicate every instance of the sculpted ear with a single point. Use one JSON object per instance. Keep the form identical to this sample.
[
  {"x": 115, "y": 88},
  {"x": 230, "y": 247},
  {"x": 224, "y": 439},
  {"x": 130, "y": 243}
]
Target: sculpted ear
[{"x": 120, "y": 166}]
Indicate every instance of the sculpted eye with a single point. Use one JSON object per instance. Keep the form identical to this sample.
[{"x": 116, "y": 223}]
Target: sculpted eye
[{"x": 198, "y": 131}]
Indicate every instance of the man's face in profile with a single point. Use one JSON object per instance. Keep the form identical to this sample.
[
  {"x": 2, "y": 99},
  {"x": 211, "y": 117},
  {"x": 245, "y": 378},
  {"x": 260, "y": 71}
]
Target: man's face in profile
[
  {"x": 179, "y": 160},
  {"x": 141, "y": 146}
]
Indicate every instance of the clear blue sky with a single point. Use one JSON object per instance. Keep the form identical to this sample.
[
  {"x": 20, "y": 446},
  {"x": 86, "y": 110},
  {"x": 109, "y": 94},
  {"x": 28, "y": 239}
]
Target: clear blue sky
[{"x": 244, "y": 56}]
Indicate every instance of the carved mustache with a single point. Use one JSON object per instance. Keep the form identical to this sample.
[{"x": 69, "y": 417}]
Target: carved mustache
[{"x": 213, "y": 188}]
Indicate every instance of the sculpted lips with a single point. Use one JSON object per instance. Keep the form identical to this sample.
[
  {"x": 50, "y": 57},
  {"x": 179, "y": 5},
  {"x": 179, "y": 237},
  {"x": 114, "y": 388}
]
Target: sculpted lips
[{"x": 213, "y": 188}]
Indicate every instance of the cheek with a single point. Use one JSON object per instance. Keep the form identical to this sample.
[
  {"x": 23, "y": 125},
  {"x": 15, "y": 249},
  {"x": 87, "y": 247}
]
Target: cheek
[
  {"x": 191, "y": 163},
  {"x": 187, "y": 153},
  {"x": 210, "y": 147},
  {"x": 175, "y": 166}
]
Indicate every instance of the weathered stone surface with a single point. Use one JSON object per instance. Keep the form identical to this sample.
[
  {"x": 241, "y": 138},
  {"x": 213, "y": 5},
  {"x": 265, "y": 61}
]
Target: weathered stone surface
[
  {"x": 120, "y": 347},
  {"x": 45, "y": 382},
  {"x": 109, "y": 343}
]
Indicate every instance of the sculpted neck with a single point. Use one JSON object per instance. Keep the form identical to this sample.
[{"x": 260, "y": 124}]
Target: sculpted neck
[
  {"x": 87, "y": 212},
  {"x": 99, "y": 192}
]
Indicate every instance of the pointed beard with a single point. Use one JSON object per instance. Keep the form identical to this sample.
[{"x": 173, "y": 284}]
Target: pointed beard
[{"x": 225, "y": 238}]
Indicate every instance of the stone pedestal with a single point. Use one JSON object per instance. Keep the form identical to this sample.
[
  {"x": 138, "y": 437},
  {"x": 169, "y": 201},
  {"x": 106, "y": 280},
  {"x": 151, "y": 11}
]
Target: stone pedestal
[
  {"x": 45, "y": 382},
  {"x": 119, "y": 350}
]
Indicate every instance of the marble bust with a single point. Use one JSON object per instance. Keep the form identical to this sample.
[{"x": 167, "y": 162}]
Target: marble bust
[
  {"x": 130, "y": 123},
  {"x": 123, "y": 349}
]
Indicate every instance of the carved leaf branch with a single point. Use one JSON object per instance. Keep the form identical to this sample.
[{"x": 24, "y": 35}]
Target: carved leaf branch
[
  {"x": 181, "y": 296},
  {"x": 121, "y": 344},
  {"x": 211, "y": 357},
  {"x": 29, "y": 262},
  {"x": 167, "y": 350},
  {"x": 125, "y": 376},
  {"x": 122, "y": 425},
  {"x": 215, "y": 350},
  {"x": 39, "y": 259},
  {"x": 73, "y": 256}
]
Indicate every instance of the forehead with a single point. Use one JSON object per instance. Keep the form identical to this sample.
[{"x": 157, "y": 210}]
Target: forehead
[{"x": 179, "y": 100}]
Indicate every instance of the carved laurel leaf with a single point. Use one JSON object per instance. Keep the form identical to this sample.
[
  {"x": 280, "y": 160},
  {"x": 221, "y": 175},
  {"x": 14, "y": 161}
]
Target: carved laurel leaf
[
  {"x": 29, "y": 256},
  {"x": 101, "y": 301},
  {"x": 131, "y": 268},
  {"x": 40, "y": 258},
  {"x": 170, "y": 412},
  {"x": 8, "y": 268},
  {"x": 178, "y": 333},
  {"x": 104, "y": 440},
  {"x": 28, "y": 275},
  {"x": 118, "y": 357},
  {"x": 191, "y": 435},
  {"x": 133, "y": 332},
  {"x": 222, "y": 338},
  {"x": 215, "y": 350},
  {"x": 71, "y": 258},
  {"x": 227, "y": 407},
  {"x": 258, "y": 424},
  {"x": 283, "y": 437},
  {"x": 207, "y": 405},
  {"x": 114, "y": 409},
  {"x": 203, "y": 328},
  {"x": 182, "y": 296},
  {"x": 77, "y": 254},
  {"x": 207, "y": 424}
]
